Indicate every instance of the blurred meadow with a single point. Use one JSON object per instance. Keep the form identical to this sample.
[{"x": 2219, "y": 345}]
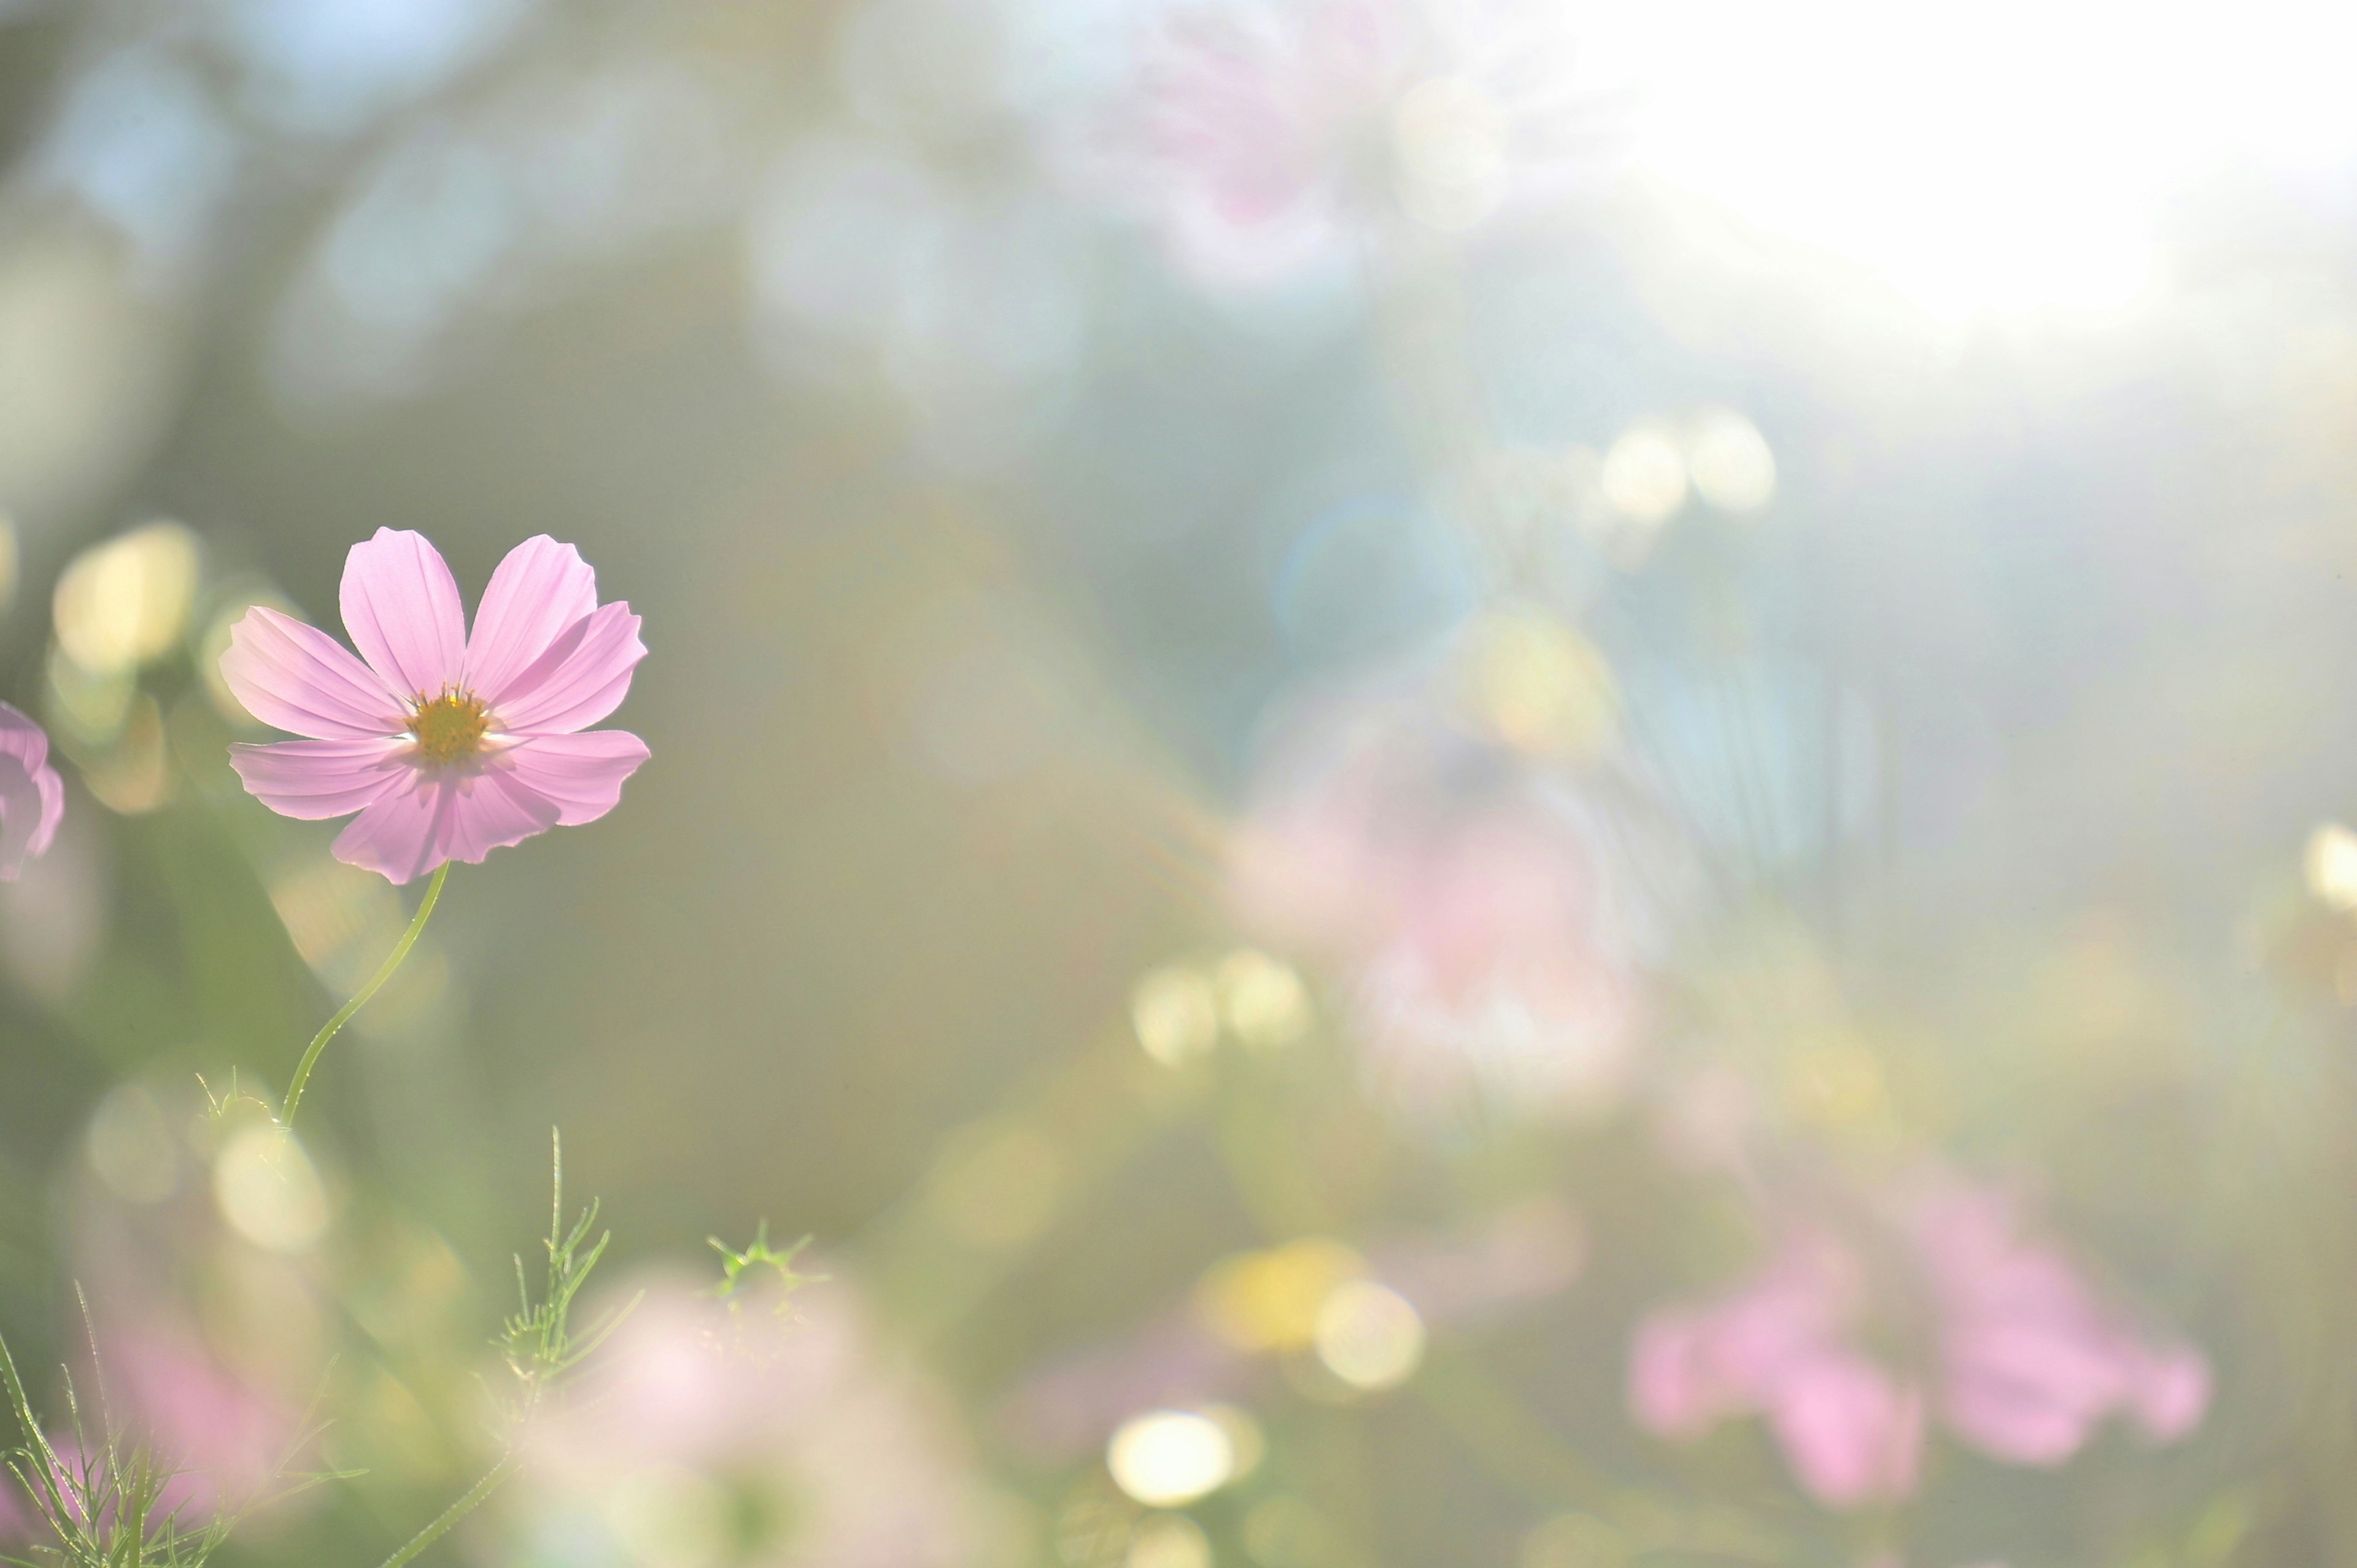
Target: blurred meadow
[{"x": 1541, "y": 783}]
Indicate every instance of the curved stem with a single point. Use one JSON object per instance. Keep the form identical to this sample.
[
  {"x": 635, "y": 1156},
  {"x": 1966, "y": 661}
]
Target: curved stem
[
  {"x": 360, "y": 999},
  {"x": 466, "y": 1505}
]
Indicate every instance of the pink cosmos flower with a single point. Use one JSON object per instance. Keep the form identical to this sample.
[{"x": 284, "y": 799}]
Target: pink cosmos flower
[
  {"x": 1997, "y": 1335},
  {"x": 1485, "y": 910},
  {"x": 1265, "y": 138},
  {"x": 32, "y": 797},
  {"x": 449, "y": 745}
]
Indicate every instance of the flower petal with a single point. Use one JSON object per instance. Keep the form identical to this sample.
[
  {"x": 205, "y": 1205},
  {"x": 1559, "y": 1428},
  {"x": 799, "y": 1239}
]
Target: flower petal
[
  {"x": 580, "y": 775},
  {"x": 493, "y": 811},
  {"x": 297, "y": 678},
  {"x": 2172, "y": 1393},
  {"x": 583, "y": 676},
  {"x": 1853, "y": 1433},
  {"x": 401, "y": 606},
  {"x": 539, "y": 590},
  {"x": 315, "y": 779},
  {"x": 446, "y": 816},
  {"x": 32, "y": 796},
  {"x": 1671, "y": 1391}
]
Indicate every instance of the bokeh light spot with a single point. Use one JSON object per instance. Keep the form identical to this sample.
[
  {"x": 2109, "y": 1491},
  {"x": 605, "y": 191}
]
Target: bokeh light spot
[
  {"x": 1730, "y": 462},
  {"x": 268, "y": 1191},
  {"x": 1541, "y": 686},
  {"x": 1176, "y": 1013},
  {"x": 1644, "y": 475},
  {"x": 1369, "y": 1335},
  {"x": 1270, "y": 1300},
  {"x": 2331, "y": 865},
  {"x": 1169, "y": 1457},
  {"x": 122, "y": 603},
  {"x": 1263, "y": 999}
]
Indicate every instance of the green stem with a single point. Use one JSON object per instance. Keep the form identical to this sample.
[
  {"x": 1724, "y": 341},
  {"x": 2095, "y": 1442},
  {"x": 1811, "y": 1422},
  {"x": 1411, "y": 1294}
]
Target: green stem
[
  {"x": 465, "y": 1505},
  {"x": 359, "y": 1000}
]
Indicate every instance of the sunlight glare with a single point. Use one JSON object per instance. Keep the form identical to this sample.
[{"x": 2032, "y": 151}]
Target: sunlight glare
[{"x": 2007, "y": 157}]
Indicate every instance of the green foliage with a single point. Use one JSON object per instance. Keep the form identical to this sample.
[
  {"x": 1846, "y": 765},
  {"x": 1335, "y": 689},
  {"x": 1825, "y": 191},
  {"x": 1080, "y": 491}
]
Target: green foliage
[
  {"x": 538, "y": 1340},
  {"x": 756, "y": 1264},
  {"x": 101, "y": 1501}
]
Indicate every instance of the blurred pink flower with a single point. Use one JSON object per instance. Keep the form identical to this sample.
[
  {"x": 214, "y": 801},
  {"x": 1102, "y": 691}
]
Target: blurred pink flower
[
  {"x": 694, "y": 1415},
  {"x": 1998, "y": 1337},
  {"x": 1484, "y": 911},
  {"x": 448, "y": 746},
  {"x": 1265, "y": 137},
  {"x": 227, "y": 1437},
  {"x": 32, "y": 797}
]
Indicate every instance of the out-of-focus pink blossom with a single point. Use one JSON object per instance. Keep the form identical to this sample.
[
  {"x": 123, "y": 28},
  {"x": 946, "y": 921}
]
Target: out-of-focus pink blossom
[
  {"x": 694, "y": 1416},
  {"x": 448, "y": 745},
  {"x": 1485, "y": 912},
  {"x": 1264, "y": 137},
  {"x": 220, "y": 1442},
  {"x": 228, "y": 1438},
  {"x": 1849, "y": 1337},
  {"x": 2031, "y": 1362},
  {"x": 32, "y": 796}
]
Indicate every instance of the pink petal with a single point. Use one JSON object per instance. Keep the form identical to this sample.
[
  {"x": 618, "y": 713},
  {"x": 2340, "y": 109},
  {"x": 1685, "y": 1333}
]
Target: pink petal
[
  {"x": 493, "y": 811},
  {"x": 446, "y": 816},
  {"x": 2031, "y": 1393},
  {"x": 1670, "y": 1392},
  {"x": 1853, "y": 1434},
  {"x": 315, "y": 779},
  {"x": 297, "y": 678},
  {"x": 580, "y": 775},
  {"x": 539, "y": 590},
  {"x": 2172, "y": 1393},
  {"x": 583, "y": 676},
  {"x": 401, "y": 607},
  {"x": 32, "y": 796}
]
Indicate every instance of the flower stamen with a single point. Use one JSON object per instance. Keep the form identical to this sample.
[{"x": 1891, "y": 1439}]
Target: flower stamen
[{"x": 449, "y": 728}]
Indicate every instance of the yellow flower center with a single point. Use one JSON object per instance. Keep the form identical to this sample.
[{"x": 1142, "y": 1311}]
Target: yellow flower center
[{"x": 450, "y": 727}]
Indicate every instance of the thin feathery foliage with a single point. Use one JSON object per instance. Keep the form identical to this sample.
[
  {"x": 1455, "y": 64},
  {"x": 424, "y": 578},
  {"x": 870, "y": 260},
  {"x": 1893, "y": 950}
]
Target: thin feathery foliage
[
  {"x": 538, "y": 1343},
  {"x": 103, "y": 1502},
  {"x": 538, "y": 1340}
]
